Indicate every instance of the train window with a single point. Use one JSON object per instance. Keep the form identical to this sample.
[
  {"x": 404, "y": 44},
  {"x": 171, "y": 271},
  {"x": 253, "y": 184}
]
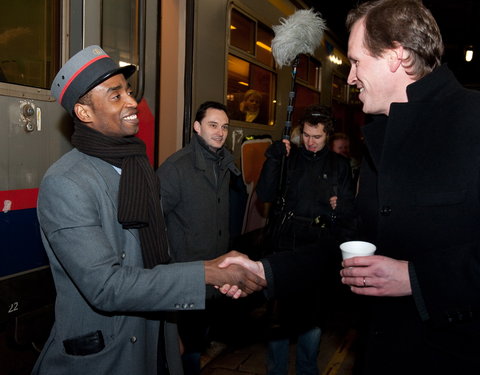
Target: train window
[
  {"x": 29, "y": 39},
  {"x": 339, "y": 89},
  {"x": 251, "y": 78},
  {"x": 264, "y": 45},
  {"x": 304, "y": 97},
  {"x": 242, "y": 32},
  {"x": 353, "y": 93},
  {"x": 120, "y": 33},
  {"x": 307, "y": 85},
  {"x": 309, "y": 71},
  {"x": 250, "y": 92}
]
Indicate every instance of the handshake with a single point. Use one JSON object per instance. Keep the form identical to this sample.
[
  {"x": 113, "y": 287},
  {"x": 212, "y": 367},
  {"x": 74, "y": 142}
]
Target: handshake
[{"x": 235, "y": 275}]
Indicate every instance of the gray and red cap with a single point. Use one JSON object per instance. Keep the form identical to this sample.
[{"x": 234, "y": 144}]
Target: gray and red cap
[{"x": 85, "y": 70}]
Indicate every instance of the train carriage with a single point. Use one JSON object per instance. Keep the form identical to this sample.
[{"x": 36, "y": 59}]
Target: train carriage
[{"x": 187, "y": 52}]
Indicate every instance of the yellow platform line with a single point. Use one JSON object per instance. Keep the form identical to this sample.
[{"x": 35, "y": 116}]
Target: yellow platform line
[{"x": 340, "y": 354}]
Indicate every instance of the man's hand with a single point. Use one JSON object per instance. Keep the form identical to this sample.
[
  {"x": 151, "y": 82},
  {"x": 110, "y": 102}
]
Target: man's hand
[
  {"x": 288, "y": 146},
  {"x": 278, "y": 149},
  {"x": 377, "y": 276},
  {"x": 233, "y": 274},
  {"x": 333, "y": 202},
  {"x": 241, "y": 259}
]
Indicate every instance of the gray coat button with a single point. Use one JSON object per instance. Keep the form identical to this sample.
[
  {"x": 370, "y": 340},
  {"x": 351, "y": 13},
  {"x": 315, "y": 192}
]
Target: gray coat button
[{"x": 133, "y": 339}]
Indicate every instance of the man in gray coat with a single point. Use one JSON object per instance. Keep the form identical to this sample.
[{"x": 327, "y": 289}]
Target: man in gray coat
[
  {"x": 103, "y": 230},
  {"x": 197, "y": 212}
]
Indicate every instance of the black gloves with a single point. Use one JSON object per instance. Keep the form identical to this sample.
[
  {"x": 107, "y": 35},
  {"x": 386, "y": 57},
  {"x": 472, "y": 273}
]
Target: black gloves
[{"x": 276, "y": 151}]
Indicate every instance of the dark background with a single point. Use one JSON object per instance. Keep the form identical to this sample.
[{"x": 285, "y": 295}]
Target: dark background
[{"x": 459, "y": 22}]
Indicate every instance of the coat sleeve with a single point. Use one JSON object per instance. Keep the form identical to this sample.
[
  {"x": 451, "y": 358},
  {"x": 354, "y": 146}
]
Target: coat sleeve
[
  {"x": 87, "y": 249},
  {"x": 346, "y": 228},
  {"x": 267, "y": 186},
  {"x": 291, "y": 273},
  {"x": 346, "y": 194},
  {"x": 170, "y": 187}
]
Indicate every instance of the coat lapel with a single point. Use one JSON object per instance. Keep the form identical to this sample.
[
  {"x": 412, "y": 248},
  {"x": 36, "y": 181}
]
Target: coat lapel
[
  {"x": 374, "y": 135},
  {"x": 399, "y": 132},
  {"x": 388, "y": 138}
]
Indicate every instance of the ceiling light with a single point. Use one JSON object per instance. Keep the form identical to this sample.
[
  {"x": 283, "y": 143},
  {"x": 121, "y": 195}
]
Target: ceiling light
[{"x": 469, "y": 54}]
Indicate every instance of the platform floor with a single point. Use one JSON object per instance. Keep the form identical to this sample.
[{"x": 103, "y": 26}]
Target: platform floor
[{"x": 336, "y": 355}]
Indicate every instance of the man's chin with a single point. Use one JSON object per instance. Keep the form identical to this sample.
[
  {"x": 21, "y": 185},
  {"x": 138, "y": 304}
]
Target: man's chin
[{"x": 216, "y": 145}]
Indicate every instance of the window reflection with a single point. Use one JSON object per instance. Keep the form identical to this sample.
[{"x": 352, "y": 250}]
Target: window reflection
[
  {"x": 339, "y": 89},
  {"x": 304, "y": 97},
  {"x": 242, "y": 32},
  {"x": 251, "y": 78},
  {"x": 309, "y": 71},
  {"x": 250, "y": 91},
  {"x": 264, "y": 45},
  {"x": 29, "y": 42},
  {"x": 307, "y": 86},
  {"x": 120, "y": 33}
]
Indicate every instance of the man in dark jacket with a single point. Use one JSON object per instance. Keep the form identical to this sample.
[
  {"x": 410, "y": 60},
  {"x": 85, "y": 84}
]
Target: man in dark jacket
[
  {"x": 315, "y": 197},
  {"x": 195, "y": 197},
  {"x": 418, "y": 199}
]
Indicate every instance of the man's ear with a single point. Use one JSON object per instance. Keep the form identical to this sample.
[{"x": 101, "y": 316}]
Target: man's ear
[
  {"x": 83, "y": 112},
  {"x": 397, "y": 57},
  {"x": 196, "y": 126}
]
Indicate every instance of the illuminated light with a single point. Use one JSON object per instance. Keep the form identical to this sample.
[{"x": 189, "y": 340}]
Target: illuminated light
[
  {"x": 334, "y": 59},
  {"x": 123, "y": 63},
  {"x": 243, "y": 83},
  {"x": 264, "y": 46},
  {"x": 274, "y": 101},
  {"x": 469, "y": 54},
  {"x": 233, "y": 27}
]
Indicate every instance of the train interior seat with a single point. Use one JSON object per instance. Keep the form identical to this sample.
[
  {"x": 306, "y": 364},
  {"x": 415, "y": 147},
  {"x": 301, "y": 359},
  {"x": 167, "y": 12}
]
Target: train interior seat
[{"x": 252, "y": 158}]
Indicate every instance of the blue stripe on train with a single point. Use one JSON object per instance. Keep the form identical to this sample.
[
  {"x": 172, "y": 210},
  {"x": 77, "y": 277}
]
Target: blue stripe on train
[{"x": 21, "y": 246}]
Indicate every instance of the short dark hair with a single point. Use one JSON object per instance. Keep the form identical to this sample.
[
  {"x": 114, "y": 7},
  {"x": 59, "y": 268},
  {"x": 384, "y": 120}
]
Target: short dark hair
[
  {"x": 86, "y": 98},
  {"x": 202, "y": 110},
  {"x": 405, "y": 22},
  {"x": 318, "y": 114}
]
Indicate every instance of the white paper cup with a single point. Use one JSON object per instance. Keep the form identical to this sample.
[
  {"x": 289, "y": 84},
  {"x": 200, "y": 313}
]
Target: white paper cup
[{"x": 357, "y": 248}]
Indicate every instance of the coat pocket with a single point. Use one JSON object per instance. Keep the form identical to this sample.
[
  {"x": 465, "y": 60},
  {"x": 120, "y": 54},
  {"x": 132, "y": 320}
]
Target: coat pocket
[{"x": 90, "y": 343}]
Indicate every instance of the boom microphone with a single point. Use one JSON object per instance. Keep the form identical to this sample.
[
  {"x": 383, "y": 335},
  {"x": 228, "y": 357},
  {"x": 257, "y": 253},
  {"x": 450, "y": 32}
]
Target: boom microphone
[{"x": 300, "y": 33}]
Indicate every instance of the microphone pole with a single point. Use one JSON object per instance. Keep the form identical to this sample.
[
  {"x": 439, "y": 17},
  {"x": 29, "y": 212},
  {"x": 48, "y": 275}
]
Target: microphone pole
[
  {"x": 301, "y": 32},
  {"x": 288, "y": 125}
]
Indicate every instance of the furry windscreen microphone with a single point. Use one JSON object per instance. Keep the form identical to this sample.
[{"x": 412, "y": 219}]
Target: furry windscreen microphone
[{"x": 302, "y": 32}]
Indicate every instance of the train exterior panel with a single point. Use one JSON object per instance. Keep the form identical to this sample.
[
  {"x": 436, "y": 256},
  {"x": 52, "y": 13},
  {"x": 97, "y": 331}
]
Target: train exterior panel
[{"x": 37, "y": 36}]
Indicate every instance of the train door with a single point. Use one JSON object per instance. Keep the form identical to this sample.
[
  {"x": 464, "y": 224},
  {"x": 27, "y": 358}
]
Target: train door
[
  {"x": 36, "y": 37},
  {"x": 33, "y": 133}
]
